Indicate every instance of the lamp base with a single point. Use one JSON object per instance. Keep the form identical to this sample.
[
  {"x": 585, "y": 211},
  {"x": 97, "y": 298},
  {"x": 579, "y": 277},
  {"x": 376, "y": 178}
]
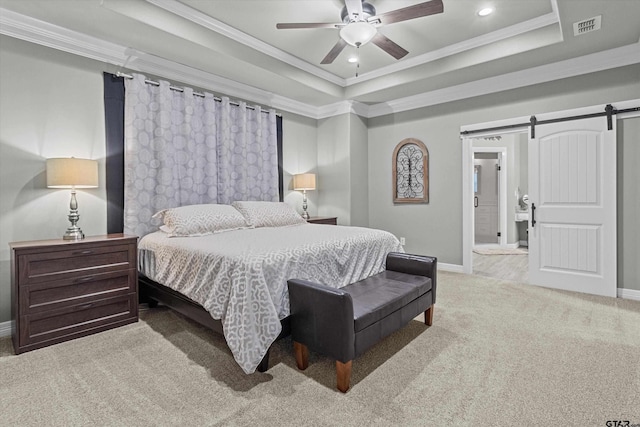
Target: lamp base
[
  {"x": 305, "y": 214},
  {"x": 73, "y": 233}
]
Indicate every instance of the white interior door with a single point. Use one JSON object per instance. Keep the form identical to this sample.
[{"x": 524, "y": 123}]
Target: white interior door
[{"x": 572, "y": 199}]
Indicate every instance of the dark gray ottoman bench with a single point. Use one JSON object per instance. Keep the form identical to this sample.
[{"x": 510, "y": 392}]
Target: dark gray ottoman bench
[{"x": 343, "y": 323}]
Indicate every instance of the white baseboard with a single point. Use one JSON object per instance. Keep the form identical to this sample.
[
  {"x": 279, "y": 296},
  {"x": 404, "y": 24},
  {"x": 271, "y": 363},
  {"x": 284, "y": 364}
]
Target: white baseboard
[
  {"x": 454, "y": 268},
  {"x": 496, "y": 246},
  {"x": 524, "y": 243},
  {"x": 629, "y": 294},
  {"x": 5, "y": 328}
]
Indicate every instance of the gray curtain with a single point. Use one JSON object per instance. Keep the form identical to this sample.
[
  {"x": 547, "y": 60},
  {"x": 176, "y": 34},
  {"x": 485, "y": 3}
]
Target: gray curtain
[{"x": 182, "y": 149}]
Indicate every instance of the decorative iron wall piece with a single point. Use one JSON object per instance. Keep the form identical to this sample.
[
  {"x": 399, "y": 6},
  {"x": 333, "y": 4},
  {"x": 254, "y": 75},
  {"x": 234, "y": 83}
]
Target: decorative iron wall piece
[{"x": 410, "y": 172}]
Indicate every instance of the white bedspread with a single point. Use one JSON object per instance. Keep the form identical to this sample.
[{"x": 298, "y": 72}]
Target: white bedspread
[{"x": 241, "y": 276}]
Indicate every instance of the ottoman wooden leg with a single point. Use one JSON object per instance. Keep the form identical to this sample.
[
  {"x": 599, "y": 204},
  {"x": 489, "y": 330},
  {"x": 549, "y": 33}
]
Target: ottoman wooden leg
[
  {"x": 302, "y": 355},
  {"x": 343, "y": 371},
  {"x": 428, "y": 315}
]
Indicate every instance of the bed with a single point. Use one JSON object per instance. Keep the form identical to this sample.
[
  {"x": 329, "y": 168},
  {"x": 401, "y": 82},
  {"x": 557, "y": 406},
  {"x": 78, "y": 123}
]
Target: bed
[
  {"x": 263, "y": 308},
  {"x": 238, "y": 275}
]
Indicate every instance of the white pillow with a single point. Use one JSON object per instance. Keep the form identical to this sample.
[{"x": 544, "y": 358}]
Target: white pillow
[
  {"x": 268, "y": 214},
  {"x": 200, "y": 220}
]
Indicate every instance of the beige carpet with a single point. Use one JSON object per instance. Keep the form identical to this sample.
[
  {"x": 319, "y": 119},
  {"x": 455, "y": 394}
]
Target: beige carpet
[{"x": 498, "y": 354}]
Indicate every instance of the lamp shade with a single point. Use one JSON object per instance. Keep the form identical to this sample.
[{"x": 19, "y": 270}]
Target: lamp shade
[
  {"x": 304, "y": 181},
  {"x": 358, "y": 33},
  {"x": 72, "y": 172}
]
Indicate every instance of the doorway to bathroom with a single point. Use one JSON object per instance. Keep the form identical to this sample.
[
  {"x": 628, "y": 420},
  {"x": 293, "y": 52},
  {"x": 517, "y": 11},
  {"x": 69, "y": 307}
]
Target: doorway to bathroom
[
  {"x": 486, "y": 199},
  {"x": 499, "y": 169}
]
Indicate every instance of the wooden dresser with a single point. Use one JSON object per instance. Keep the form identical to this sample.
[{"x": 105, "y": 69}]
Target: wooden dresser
[{"x": 63, "y": 290}]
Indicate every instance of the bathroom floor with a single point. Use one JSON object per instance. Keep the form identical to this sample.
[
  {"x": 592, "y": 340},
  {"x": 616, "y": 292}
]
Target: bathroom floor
[{"x": 506, "y": 267}]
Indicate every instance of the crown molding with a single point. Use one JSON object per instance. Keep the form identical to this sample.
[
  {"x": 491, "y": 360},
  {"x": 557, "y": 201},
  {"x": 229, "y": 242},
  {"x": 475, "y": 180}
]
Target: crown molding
[
  {"x": 592, "y": 63},
  {"x": 206, "y": 21},
  {"x": 456, "y": 48},
  {"x": 43, "y": 33},
  {"x": 220, "y": 27},
  {"x": 343, "y": 107},
  {"x": 39, "y": 32}
]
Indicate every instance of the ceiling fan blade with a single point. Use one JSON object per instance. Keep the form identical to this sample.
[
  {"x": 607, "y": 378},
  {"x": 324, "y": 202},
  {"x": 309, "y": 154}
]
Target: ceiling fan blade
[
  {"x": 290, "y": 26},
  {"x": 389, "y": 46},
  {"x": 354, "y": 7},
  {"x": 416, "y": 11},
  {"x": 334, "y": 52}
]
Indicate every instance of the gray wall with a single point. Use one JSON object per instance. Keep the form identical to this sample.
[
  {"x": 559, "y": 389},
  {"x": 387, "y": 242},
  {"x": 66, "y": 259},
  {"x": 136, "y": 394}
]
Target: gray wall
[
  {"x": 334, "y": 157},
  {"x": 343, "y": 168},
  {"x": 629, "y": 203},
  {"x": 299, "y": 156},
  {"x": 436, "y": 228},
  {"x": 51, "y": 106},
  {"x": 359, "y": 209}
]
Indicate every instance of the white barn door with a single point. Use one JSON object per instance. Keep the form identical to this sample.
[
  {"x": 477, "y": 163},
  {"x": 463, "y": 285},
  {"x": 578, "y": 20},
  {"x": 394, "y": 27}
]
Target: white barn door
[{"x": 572, "y": 198}]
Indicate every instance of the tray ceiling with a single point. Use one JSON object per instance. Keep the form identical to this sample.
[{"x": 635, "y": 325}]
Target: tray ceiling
[{"x": 237, "y": 41}]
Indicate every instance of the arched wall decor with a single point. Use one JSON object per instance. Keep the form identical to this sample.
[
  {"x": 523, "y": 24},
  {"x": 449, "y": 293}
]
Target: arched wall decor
[{"x": 410, "y": 172}]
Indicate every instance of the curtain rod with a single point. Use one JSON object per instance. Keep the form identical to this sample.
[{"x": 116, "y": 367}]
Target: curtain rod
[{"x": 179, "y": 89}]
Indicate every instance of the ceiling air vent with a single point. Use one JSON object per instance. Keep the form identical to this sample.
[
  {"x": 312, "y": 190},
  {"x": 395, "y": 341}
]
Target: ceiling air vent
[{"x": 587, "y": 25}]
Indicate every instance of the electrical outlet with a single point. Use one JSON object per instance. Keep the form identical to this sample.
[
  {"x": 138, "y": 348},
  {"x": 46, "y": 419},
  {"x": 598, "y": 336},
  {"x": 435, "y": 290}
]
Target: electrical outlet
[{"x": 402, "y": 241}]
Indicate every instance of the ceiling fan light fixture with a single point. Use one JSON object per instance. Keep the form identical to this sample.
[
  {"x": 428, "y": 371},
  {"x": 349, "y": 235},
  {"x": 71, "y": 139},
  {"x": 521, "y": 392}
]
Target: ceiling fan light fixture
[{"x": 358, "y": 33}]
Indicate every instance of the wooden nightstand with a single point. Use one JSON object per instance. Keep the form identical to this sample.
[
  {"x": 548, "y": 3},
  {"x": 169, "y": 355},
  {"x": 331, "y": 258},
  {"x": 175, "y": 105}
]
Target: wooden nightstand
[
  {"x": 332, "y": 220},
  {"x": 62, "y": 290}
]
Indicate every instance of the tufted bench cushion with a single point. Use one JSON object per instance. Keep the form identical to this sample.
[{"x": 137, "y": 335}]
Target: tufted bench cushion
[{"x": 376, "y": 297}]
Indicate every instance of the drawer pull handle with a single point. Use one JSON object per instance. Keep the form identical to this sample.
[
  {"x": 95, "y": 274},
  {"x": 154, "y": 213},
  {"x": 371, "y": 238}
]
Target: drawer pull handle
[
  {"x": 84, "y": 307},
  {"x": 84, "y": 279},
  {"x": 82, "y": 252}
]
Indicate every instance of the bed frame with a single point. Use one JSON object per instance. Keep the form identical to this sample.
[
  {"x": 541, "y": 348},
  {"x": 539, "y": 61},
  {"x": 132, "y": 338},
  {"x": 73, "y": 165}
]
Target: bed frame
[
  {"x": 149, "y": 291},
  {"x": 152, "y": 293}
]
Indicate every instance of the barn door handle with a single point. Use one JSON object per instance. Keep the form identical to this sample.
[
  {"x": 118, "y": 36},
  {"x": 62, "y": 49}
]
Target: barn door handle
[
  {"x": 475, "y": 201},
  {"x": 533, "y": 215}
]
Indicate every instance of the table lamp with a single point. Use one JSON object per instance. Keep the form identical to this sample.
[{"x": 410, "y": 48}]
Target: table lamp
[
  {"x": 304, "y": 182},
  {"x": 72, "y": 173}
]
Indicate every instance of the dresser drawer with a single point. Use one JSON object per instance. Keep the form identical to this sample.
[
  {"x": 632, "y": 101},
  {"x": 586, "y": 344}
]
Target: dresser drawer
[
  {"x": 48, "y": 327},
  {"x": 74, "y": 263},
  {"x": 74, "y": 291}
]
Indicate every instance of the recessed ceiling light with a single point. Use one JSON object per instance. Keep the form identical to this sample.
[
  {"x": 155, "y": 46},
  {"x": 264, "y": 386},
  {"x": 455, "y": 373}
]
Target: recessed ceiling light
[
  {"x": 353, "y": 59},
  {"x": 486, "y": 11}
]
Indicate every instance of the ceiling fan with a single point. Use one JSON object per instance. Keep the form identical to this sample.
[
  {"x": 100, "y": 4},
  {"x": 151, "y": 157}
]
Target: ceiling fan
[{"x": 359, "y": 25}]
